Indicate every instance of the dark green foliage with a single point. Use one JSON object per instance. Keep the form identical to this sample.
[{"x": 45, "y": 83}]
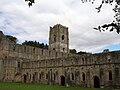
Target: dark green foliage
[
  {"x": 30, "y": 2},
  {"x": 82, "y": 52},
  {"x": 35, "y": 44},
  {"x": 115, "y": 25},
  {"x": 111, "y": 27},
  {"x": 12, "y": 38},
  {"x": 73, "y": 51}
]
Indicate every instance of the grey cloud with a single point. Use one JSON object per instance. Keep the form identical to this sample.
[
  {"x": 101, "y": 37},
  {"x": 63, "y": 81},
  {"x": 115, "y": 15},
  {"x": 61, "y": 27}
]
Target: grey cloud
[{"x": 33, "y": 23}]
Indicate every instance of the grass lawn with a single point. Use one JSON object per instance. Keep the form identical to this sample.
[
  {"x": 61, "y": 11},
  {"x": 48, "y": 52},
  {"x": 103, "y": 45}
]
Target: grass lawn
[{"x": 23, "y": 86}]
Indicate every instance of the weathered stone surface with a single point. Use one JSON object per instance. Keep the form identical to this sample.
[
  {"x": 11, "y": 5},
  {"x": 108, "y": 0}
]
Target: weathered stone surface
[{"x": 27, "y": 64}]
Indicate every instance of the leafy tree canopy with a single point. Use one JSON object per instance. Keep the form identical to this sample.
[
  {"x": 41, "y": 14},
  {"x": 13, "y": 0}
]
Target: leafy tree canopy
[
  {"x": 12, "y": 38},
  {"x": 75, "y": 52},
  {"x": 81, "y": 52},
  {"x": 30, "y": 2},
  {"x": 35, "y": 44},
  {"x": 115, "y": 24}
]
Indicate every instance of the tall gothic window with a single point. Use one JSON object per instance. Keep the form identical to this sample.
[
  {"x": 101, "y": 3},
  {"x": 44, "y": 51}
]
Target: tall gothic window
[
  {"x": 18, "y": 64},
  {"x": 72, "y": 76},
  {"x": 39, "y": 76},
  {"x": 33, "y": 50},
  {"x": 42, "y": 51},
  {"x": 110, "y": 75},
  {"x": 82, "y": 60},
  {"x": 46, "y": 76},
  {"x": 54, "y": 77},
  {"x": 63, "y": 49},
  {"x": 83, "y": 77},
  {"x": 54, "y": 38},
  {"x": 63, "y": 37}
]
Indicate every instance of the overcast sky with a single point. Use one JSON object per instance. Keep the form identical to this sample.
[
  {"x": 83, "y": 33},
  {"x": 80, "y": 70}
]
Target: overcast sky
[{"x": 33, "y": 23}]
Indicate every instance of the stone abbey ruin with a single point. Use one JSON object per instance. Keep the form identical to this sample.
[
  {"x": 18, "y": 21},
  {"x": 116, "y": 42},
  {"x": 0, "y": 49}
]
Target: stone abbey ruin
[{"x": 55, "y": 65}]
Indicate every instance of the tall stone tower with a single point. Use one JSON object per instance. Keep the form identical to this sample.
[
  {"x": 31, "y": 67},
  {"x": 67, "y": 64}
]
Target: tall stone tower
[{"x": 59, "y": 38}]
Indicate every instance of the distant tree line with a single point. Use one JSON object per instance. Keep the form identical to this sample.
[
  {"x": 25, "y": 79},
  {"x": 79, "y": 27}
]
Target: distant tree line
[
  {"x": 35, "y": 44},
  {"x": 73, "y": 51},
  {"x": 39, "y": 45}
]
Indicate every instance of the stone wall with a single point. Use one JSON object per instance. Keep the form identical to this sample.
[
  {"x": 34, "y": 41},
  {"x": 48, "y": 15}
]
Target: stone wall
[
  {"x": 77, "y": 70},
  {"x": 20, "y": 63}
]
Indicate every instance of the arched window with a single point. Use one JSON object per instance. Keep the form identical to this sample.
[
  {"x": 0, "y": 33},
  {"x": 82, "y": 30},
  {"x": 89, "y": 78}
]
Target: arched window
[
  {"x": 63, "y": 37},
  {"x": 18, "y": 64},
  {"x": 42, "y": 51},
  {"x": 110, "y": 75},
  {"x": 54, "y": 38},
  {"x": 33, "y": 50},
  {"x": 82, "y": 60},
  {"x": 72, "y": 76},
  {"x": 63, "y": 49},
  {"x": 83, "y": 77},
  {"x": 54, "y": 77},
  {"x": 46, "y": 76},
  {"x": 39, "y": 76}
]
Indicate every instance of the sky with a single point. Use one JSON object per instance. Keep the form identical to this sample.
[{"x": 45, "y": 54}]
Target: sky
[{"x": 33, "y": 23}]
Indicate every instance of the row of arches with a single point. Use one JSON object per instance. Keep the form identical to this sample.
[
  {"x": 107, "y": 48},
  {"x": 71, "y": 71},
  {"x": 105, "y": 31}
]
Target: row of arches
[
  {"x": 96, "y": 81},
  {"x": 63, "y": 79},
  {"x": 63, "y": 82}
]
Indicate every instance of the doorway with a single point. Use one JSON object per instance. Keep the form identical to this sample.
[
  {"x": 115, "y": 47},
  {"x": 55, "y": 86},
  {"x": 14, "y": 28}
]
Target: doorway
[
  {"x": 62, "y": 80},
  {"x": 25, "y": 78},
  {"x": 96, "y": 82}
]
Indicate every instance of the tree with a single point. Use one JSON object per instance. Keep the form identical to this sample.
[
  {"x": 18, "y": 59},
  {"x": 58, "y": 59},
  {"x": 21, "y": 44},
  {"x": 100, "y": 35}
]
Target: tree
[
  {"x": 35, "y": 44},
  {"x": 115, "y": 24},
  {"x": 30, "y": 2},
  {"x": 73, "y": 51},
  {"x": 81, "y": 52}
]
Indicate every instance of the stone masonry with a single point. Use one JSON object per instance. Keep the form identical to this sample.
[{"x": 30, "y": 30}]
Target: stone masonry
[{"x": 56, "y": 66}]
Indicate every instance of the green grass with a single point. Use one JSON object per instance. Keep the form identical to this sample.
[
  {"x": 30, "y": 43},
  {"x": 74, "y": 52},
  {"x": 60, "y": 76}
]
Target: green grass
[{"x": 23, "y": 86}]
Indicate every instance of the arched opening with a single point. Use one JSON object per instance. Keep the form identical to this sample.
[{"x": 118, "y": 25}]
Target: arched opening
[
  {"x": 33, "y": 50},
  {"x": 63, "y": 37},
  {"x": 62, "y": 80},
  {"x": 18, "y": 64},
  {"x": 33, "y": 78},
  {"x": 82, "y": 60},
  {"x": 25, "y": 78},
  {"x": 54, "y": 38},
  {"x": 72, "y": 76},
  {"x": 83, "y": 77},
  {"x": 110, "y": 75},
  {"x": 54, "y": 77},
  {"x": 96, "y": 82}
]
